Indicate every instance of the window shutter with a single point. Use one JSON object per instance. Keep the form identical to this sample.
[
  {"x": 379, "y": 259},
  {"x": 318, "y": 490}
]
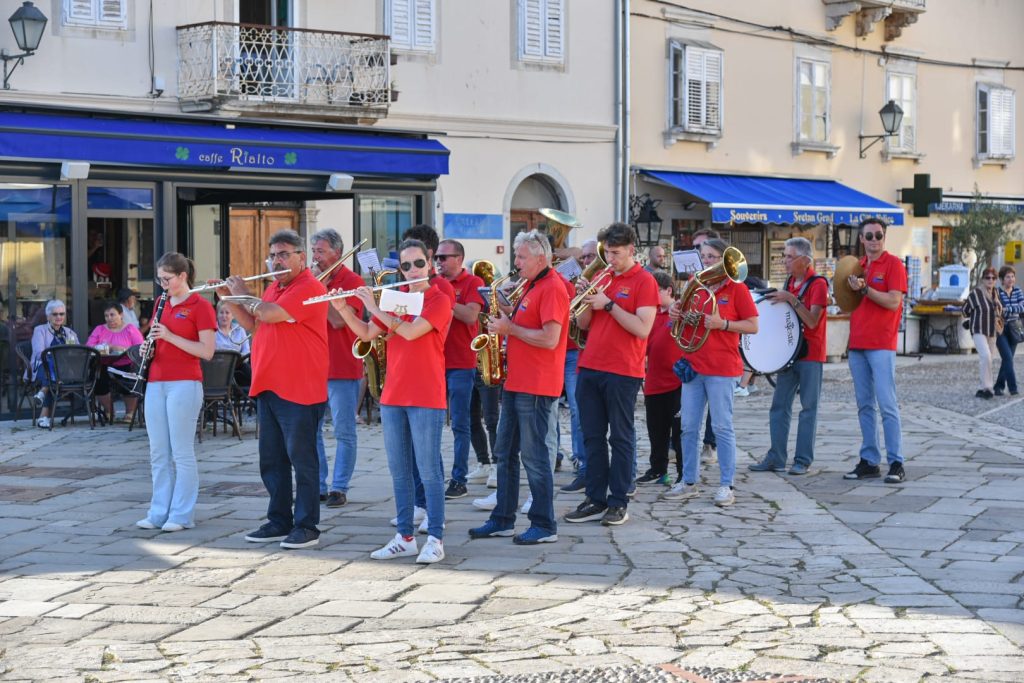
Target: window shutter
[
  {"x": 677, "y": 117},
  {"x": 533, "y": 28},
  {"x": 694, "y": 88},
  {"x": 553, "y": 33},
  {"x": 401, "y": 23},
  {"x": 1001, "y": 118},
  {"x": 80, "y": 11},
  {"x": 713, "y": 89},
  {"x": 112, "y": 12},
  {"x": 423, "y": 29},
  {"x": 982, "y": 121}
]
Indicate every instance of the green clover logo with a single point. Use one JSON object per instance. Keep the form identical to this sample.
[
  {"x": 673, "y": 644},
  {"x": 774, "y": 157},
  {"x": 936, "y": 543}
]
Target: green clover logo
[
  {"x": 290, "y": 158},
  {"x": 181, "y": 153}
]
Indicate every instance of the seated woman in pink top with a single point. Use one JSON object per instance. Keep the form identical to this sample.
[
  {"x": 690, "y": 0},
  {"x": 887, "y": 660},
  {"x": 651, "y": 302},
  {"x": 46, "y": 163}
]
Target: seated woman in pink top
[{"x": 113, "y": 337}]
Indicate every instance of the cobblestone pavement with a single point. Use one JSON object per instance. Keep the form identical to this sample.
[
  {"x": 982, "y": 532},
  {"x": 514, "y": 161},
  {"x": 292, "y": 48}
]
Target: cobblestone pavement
[{"x": 811, "y": 576}]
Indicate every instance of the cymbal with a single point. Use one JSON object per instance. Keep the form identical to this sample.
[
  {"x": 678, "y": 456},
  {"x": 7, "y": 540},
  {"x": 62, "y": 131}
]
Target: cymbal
[{"x": 846, "y": 298}]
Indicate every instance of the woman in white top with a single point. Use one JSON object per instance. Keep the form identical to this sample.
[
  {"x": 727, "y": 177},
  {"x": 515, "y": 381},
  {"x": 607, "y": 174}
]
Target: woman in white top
[{"x": 230, "y": 336}]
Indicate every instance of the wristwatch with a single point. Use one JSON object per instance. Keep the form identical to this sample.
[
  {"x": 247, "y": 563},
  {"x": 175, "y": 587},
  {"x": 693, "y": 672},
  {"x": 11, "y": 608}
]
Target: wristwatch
[
  {"x": 864, "y": 290},
  {"x": 608, "y": 306}
]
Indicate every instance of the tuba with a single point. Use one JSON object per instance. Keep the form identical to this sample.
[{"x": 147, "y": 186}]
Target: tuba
[
  {"x": 374, "y": 353},
  {"x": 698, "y": 299},
  {"x": 592, "y": 271},
  {"x": 490, "y": 354}
]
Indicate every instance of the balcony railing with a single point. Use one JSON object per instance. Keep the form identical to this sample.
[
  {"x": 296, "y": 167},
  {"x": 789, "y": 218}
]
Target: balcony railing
[{"x": 247, "y": 66}]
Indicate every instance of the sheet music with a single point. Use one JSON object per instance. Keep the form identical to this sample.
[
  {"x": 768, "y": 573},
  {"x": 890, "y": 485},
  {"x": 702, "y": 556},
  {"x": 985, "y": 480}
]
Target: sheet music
[
  {"x": 687, "y": 261},
  {"x": 401, "y": 303},
  {"x": 368, "y": 260},
  {"x": 570, "y": 269}
]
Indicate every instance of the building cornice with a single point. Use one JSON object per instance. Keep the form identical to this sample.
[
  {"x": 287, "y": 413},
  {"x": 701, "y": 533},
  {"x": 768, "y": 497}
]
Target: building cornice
[{"x": 527, "y": 130}]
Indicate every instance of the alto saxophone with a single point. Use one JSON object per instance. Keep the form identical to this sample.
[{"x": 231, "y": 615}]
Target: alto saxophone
[
  {"x": 490, "y": 356},
  {"x": 374, "y": 353}
]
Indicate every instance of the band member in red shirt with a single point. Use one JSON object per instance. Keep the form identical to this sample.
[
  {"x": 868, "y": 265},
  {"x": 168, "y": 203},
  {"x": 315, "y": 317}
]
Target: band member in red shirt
[
  {"x": 874, "y": 325},
  {"x": 344, "y": 372},
  {"x": 185, "y": 333},
  {"x": 661, "y": 389},
  {"x": 807, "y": 293},
  {"x": 611, "y": 366},
  {"x": 412, "y": 406},
  {"x": 536, "y": 332},
  {"x": 715, "y": 366},
  {"x": 460, "y": 359},
  {"x": 289, "y": 380}
]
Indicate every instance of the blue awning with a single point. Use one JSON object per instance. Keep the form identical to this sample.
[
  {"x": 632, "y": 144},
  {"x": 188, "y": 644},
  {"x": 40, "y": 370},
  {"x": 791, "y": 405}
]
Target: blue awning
[
  {"x": 218, "y": 146},
  {"x": 756, "y": 199}
]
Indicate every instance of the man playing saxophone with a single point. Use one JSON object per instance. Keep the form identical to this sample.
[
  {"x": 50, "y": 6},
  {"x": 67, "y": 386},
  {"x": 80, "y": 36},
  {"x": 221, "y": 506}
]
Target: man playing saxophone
[
  {"x": 536, "y": 331},
  {"x": 619, "y": 315}
]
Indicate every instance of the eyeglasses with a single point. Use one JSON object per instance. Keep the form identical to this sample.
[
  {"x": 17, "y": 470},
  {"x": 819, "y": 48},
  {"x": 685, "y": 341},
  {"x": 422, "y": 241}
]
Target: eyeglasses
[
  {"x": 989, "y": 277},
  {"x": 281, "y": 255},
  {"x": 444, "y": 257},
  {"x": 164, "y": 280},
  {"x": 588, "y": 257},
  {"x": 408, "y": 265},
  {"x": 868, "y": 236},
  {"x": 58, "y": 314}
]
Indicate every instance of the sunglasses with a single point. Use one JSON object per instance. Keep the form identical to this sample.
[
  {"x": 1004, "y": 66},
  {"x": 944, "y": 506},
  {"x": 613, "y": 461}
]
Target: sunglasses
[
  {"x": 989, "y": 277},
  {"x": 868, "y": 236},
  {"x": 444, "y": 257},
  {"x": 408, "y": 265}
]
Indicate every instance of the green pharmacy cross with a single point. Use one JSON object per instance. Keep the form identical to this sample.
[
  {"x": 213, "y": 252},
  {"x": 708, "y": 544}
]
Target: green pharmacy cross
[{"x": 921, "y": 195}]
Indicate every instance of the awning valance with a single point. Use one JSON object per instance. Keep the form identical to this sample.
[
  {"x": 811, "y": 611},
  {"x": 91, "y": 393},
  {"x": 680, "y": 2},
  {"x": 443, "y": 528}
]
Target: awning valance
[
  {"x": 104, "y": 139},
  {"x": 757, "y": 199}
]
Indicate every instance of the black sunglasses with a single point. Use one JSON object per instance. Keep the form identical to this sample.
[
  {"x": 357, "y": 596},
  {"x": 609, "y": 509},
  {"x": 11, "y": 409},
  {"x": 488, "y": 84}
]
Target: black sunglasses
[
  {"x": 407, "y": 265},
  {"x": 874, "y": 236},
  {"x": 444, "y": 257}
]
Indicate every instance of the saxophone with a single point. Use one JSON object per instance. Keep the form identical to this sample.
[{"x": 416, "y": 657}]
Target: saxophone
[
  {"x": 374, "y": 353},
  {"x": 490, "y": 356}
]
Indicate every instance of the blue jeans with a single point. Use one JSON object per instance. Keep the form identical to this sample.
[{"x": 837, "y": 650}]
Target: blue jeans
[
  {"x": 607, "y": 402},
  {"x": 172, "y": 409},
  {"x": 874, "y": 379},
  {"x": 805, "y": 375},
  {"x": 716, "y": 393},
  {"x": 522, "y": 431},
  {"x": 460, "y": 395},
  {"x": 288, "y": 442},
  {"x": 484, "y": 407},
  {"x": 1007, "y": 376},
  {"x": 412, "y": 439},
  {"x": 342, "y": 399},
  {"x": 578, "y": 451}
]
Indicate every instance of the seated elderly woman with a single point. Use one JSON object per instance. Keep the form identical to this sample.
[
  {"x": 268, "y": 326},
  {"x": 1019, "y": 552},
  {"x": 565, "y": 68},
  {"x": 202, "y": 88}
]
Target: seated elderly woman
[
  {"x": 114, "y": 337},
  {"x": 232, "y": 337},
  {"x": 53, "y": 332}
]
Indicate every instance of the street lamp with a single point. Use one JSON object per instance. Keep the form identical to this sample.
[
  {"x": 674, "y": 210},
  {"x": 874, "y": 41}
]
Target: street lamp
[
  {"x": 28, "y": 24},
  {"x": 892, "y": 116},
  {"x": 645, "y": 210}
]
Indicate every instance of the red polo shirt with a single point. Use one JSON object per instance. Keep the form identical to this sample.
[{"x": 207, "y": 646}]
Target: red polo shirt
[
  {"x": 442, "y": 284},
  {"x": 720, "y": 355},
  {"x": 342, "y": 364},
  {"x": 457, "y": 354},
  {"x": 531, "y": 369},
  {"x": 415, "y": 374},
  {"x": 873, "y": 327},
  {"x": 816, "y": 295},
  {"x": 610, "y": 348},
  {"x": 290, "y": 358},
  {"x": 187, "y": 319},
  {"x": 662, "y": 354}
]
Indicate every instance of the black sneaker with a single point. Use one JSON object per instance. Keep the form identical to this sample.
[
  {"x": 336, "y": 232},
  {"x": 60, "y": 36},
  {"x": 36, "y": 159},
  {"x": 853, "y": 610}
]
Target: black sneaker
[
  {"x": 336, "y": 499},
  {"x": 863, "y": 470},
  {"x": 266, "y": 533},
  {"x": 998, "y": 391},
  {"x": 614, "y": 516},
  {"x": 587, "y": 511},
  {"x": 896, "y": 473},
  {"x": 649, "y": 477},
  {"x": 323, "y": 497},
  {"x": 301, "y": 538},
  {"x": 980, "y": 393},
  {"x": 577, "y": 484},
  {"x": 455, "y": 490},
  {"x": 558, "y": 461}
]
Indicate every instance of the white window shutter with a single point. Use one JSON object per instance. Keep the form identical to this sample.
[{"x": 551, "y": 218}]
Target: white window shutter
[
  {"x": 423, "y": 24},
  {"x": 401, "y": 23},
  {"x": 694, "y": 88},
  {"x": 112, "y": 12},
  {"x": 532, "y": 42},
  {"x": 80, "y": 11},
  {"x": 1001, "y": 121},
  {"x": 713, "y": 89},
  {"x": 553, "y": 30}
]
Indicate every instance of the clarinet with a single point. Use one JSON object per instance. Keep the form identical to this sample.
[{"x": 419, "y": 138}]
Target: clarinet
[{"x": 147, "y": 351}]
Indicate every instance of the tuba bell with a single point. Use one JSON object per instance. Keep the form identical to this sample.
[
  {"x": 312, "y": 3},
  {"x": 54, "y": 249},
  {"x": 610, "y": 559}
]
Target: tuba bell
[
  {"x": 698, "y": 299},
  {"x": 559, "y": 225}
]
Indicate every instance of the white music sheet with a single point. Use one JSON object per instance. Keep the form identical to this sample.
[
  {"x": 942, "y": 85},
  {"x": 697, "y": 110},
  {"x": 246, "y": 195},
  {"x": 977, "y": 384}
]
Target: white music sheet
[{"x": 401, "y": 303}]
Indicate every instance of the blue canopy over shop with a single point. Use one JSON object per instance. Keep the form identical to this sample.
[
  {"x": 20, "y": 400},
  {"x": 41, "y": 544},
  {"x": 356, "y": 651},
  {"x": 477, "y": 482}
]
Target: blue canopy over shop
[{"x": 787, "y": 201}]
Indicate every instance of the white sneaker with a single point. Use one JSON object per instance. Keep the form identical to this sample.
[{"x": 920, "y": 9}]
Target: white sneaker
[
  {"x": 492, "y": 478},
  {"x": 433, "y": 551},
  {"x": 425, "y": 526},
  {"x": 145, "y": 524},
  {"x": 40, "y": 397},
  {"x": 752, "y": 388},
  {"x": 43, "y": 422},
  {"x": 488, "y": 503},
  {"x": 724, "y": 496},
  {"x": 740, "y": 391},
  {"x": 171, "y": 526},
  {"x": 682, "y": 491},
  {"x": 479, "y": 474},
  {"x": 527, "y": 505},
  {"x": 418, "y": 515},
  {"x": 396, "y": 547},
  {"x": 708, "y": 454}
]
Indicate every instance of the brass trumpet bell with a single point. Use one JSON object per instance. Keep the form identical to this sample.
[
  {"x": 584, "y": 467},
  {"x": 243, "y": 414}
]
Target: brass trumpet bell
[{"x": 484, "y": 270}]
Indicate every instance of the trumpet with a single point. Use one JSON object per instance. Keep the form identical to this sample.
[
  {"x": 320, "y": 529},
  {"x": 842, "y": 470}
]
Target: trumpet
[
  {"x": 344, "y": 257},
  {"x": 345, "y": 293},
  {"x": 221, "y": 283}
]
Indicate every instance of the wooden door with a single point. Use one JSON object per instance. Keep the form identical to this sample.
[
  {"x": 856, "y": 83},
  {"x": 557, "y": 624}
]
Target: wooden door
[{"x": 250, "y": 232}]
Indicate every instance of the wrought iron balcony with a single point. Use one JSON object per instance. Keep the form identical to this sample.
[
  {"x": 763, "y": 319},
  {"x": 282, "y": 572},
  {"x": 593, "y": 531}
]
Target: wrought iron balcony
[{"x": 273, "y": 69}]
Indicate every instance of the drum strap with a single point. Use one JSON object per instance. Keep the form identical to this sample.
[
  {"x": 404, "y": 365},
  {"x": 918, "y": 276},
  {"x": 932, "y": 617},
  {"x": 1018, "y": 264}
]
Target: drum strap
[{"x": 803, "y": 290}]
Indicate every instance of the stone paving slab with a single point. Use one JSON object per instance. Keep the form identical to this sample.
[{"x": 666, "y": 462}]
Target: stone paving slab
[{"x": 813, "y": 576}]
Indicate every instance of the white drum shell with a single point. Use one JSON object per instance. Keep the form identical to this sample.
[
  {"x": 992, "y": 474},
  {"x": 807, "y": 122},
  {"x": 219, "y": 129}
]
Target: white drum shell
[{"x": 778, "y": 339}]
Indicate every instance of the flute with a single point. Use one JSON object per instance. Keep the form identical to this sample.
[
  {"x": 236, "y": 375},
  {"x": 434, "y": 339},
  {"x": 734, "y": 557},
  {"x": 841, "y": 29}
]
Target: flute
[
  {"x": 345, "y": 293},
  {"x": 221, "y": 283}
]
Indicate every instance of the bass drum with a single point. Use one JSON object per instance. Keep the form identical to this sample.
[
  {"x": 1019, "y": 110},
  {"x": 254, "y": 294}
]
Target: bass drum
[{"x": 778, "y": 340}]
